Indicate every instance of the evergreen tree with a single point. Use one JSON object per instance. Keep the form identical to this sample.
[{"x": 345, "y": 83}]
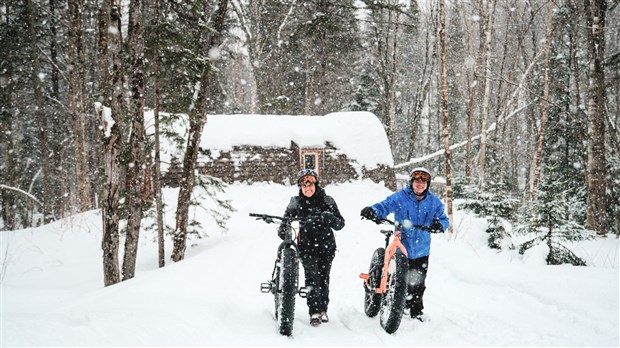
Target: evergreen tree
[
  {"x": 553, "y": 220},
  {"x": 497, "y": 206},
  {"x": 365, "y": 96},
  {"x": 613, "y": 196},
  {"x": 182, "y": 30},
  {"x": 565, "y": 153},
  {"x": 317, "y": 58}
]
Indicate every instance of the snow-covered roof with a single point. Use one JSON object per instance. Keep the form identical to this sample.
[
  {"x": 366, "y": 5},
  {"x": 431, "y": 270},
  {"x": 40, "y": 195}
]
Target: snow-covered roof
[{"x": 359, "y": 135}]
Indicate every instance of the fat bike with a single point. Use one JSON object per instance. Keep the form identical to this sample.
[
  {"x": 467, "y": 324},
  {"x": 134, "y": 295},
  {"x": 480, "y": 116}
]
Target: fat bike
[
  {"x": 385, "y": 284},
  {"x": 284, "y": 283}
]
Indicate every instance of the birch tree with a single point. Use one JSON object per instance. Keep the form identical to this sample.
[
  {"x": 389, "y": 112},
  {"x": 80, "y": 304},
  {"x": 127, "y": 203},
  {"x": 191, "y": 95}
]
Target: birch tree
[
  {"x": 545, "y": 101},
  {"x": 444, "y": 109},
  {"x": 595, "y": 11},
  {"x": 472, "y": 82},
  {"x": 488, "y": 38}
]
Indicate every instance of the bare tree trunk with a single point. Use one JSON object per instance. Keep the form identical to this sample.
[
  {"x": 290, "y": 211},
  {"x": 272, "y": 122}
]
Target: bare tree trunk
[
  {"x": 110, "y": 72},
  {"x": 392, "y": 61},
  {"x": 76, "y": 95},
  {"x": 58, "y": 167},
  {"x": 422, "y": 90},
  {"x": 471, "y": 104},
  {"x": 308, "y": 81},
  {"x": 444, "y": 104},
  {"x": 135, "y": 173},
  {"x": 597, "y": 184},
  {"x": 157, "y": 179},
  {"x": 486, "y": 96},
  {"x": 8, "y": 170},
  {"x": 198, "y": 118},
  {"x": 501, "y": 93},
  {"x": 469, "y": 162},
  {"x": 40, "y": 114},
  {"x": 386, "y": 43},
  {"x": 545, "y": 106}
]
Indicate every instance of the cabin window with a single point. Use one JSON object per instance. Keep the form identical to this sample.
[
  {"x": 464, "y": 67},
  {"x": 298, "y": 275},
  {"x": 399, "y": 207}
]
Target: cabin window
[{"x": 310, "y": 161}]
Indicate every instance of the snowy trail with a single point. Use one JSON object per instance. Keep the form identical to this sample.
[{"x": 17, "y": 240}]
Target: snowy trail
[{"x": 53, "y": 296}]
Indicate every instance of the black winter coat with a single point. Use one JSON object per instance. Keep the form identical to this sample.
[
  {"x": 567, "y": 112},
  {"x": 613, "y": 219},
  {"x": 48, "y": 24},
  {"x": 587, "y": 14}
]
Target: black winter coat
[{"x": 315, "y": 234}]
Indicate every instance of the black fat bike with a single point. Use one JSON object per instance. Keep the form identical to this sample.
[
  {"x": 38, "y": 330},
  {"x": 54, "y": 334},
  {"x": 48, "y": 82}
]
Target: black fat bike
[{"x": 284, "y": 283}]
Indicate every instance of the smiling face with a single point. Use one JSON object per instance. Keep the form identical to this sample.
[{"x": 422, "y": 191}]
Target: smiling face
[
  {"x": 308, "y": 185},
  {"x": 419, "y": 182}
]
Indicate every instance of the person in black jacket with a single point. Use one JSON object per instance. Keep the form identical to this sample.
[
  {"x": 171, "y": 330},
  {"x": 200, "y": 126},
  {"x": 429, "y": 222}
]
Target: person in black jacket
[{"x": 318, "y": 214}]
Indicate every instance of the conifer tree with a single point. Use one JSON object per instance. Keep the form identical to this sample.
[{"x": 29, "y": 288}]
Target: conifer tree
[
  {"x": 498, "y": 206},
  {"x": 553, "y": 220}
]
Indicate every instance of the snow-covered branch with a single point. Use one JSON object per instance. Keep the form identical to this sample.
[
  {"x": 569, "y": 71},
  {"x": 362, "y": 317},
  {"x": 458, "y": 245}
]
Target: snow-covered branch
[
  {"x": 4, "y": 187},
  {"x": 457, "y": 145},
  {"x": 290, "y": 11}
]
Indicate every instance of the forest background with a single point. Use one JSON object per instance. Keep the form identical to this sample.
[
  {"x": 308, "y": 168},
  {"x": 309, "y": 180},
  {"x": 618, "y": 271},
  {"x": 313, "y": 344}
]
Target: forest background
[{"x": 515, "y": 102}]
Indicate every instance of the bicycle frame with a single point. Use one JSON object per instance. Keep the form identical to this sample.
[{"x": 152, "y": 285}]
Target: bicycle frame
[
  {"x": 288, "y": 242},
  {"x": 284, "y": 283},
  {"x": 386, "y": 284},
  {"x": 390, "y": 251}
]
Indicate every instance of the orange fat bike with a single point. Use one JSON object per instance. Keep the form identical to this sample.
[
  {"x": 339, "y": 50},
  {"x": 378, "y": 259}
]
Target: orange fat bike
[
  {"x": 284, "y": 283},
  {"x": 385, "y": 284}
]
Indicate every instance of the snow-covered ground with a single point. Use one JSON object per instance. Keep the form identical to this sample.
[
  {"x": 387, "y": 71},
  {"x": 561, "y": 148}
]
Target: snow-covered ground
[{"x": 53, "y": 294}]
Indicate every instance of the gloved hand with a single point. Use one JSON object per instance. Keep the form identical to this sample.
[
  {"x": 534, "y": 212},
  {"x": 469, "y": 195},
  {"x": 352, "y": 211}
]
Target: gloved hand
[
  {"x": 282, "y": 231},
  {"x": 368, "y": 213},
  {"x": 327, "y": 217},
  {"x": 436, "y": 227}
]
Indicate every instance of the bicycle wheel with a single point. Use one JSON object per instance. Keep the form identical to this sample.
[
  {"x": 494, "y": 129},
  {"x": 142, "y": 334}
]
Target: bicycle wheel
[
  {"x": 372, "y": 300},
  {"x": 393, "y": 301},
  {"x": 286, "y": 291}
]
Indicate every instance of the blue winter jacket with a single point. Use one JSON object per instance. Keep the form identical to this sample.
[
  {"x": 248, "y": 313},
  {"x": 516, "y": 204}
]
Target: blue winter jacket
[{"x": 408, "y": 211}]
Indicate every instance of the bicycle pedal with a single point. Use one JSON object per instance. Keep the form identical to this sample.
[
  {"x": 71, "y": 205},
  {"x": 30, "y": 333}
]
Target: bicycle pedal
[
  {"x": 304, "y": 291},
  {"x": 266, "y": 287}
]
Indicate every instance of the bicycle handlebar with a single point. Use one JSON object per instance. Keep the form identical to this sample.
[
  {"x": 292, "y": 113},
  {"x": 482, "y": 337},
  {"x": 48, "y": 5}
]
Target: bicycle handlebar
[
  {"x": 267, "y": 218},
  {"x": 379, "y": 221}
]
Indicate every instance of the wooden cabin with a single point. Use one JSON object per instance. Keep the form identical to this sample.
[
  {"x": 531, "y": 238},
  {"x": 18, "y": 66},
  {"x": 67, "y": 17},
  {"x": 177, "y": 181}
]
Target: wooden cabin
[{"x": 340, "y": 147}]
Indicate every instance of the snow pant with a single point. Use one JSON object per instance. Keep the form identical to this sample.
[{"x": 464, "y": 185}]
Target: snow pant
[
  {"x": 317, "y": 266},
  {"x": 416, "y": 277}
]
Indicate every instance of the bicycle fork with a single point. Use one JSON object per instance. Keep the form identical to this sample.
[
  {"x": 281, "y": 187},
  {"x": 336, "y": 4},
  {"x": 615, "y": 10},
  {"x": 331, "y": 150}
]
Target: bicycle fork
[
  {"x": 270, "y": 286},
  {"x": 389, "y": 253}
]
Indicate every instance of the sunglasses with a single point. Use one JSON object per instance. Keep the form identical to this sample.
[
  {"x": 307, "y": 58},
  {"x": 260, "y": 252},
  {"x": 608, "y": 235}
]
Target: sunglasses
[{"x": 306, "y": 183}]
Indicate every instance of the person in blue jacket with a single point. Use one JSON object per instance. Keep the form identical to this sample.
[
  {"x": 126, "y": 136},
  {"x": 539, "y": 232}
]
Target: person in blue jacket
[{"x": 411, "y": 206}]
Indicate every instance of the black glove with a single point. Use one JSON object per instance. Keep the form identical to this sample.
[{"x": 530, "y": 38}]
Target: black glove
[
  {"x": 368, "y": 213},
  {"x": 327, "y": 217},
  {"x": 436, "y": 227}
]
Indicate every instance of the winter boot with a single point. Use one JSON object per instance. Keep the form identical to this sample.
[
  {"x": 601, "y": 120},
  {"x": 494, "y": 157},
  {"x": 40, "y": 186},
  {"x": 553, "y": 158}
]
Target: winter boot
[
  {"x": 324, "y": 317},
  {"x": 315, "y": 319},
  {"x": 417, "y": 314}
]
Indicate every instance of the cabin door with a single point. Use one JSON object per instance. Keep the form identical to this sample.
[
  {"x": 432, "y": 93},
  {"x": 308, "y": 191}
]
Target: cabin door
[{"x": 310, "y": 159}]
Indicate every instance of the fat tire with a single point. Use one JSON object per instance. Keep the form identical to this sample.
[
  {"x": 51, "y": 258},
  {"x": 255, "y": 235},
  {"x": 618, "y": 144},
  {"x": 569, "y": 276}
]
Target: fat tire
[
  {"x": 286, "y": 291},
  {"x": 393, "y": 301},
  {"x": 372, "y": 300}
]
